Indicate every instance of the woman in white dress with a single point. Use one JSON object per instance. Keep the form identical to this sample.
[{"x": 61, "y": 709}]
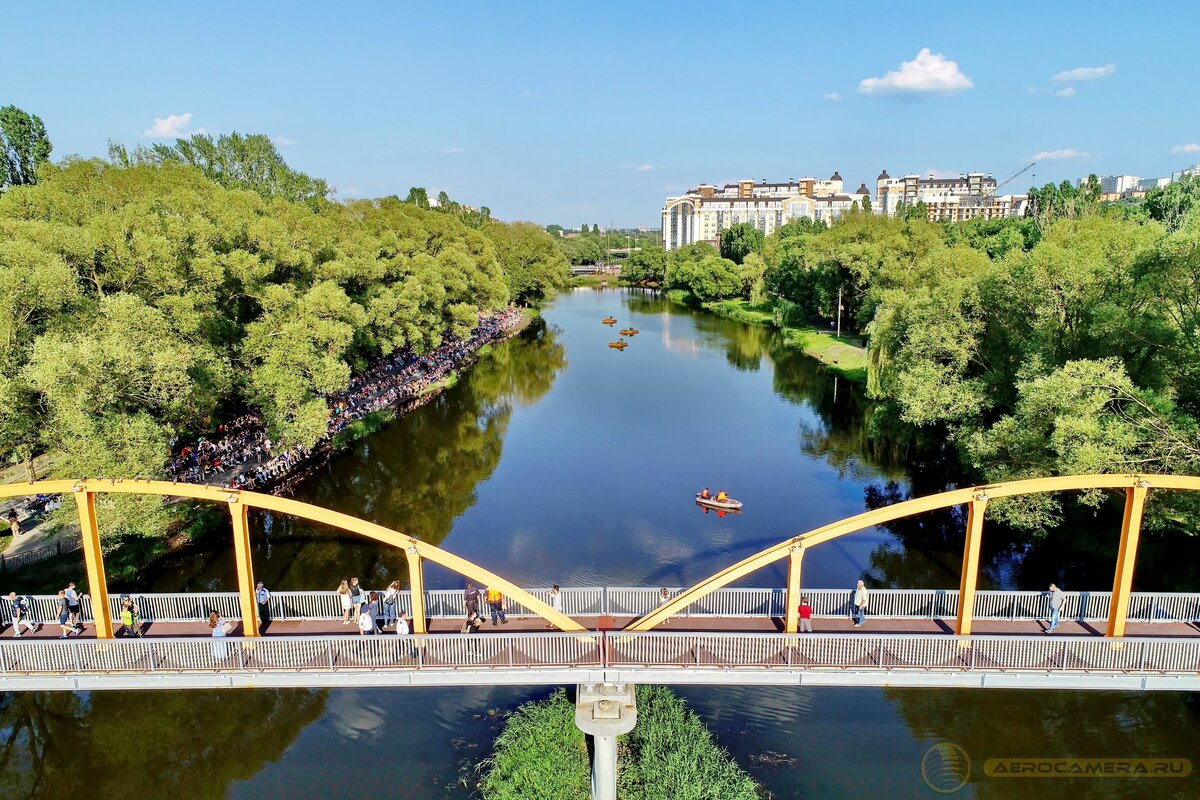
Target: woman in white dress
[
  {"x": 220, "y": 650},
  {"x": 344, "y": 593}
]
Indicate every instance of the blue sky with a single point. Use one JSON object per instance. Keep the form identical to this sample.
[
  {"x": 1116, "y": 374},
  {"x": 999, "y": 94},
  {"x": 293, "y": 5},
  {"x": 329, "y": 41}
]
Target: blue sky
[{"x": 572, "y": 113}]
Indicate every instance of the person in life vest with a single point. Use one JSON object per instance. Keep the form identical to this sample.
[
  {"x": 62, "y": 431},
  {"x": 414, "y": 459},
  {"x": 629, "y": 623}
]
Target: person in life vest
[
  {"x": 721, "y": 496},
  {"x": 704, "y": 495}
]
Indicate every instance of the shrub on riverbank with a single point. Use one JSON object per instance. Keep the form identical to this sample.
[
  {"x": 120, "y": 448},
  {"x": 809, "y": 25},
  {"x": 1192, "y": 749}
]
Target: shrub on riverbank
[
  {"x": 669, "y": 755},
  {"x": 540, "y": 754}
]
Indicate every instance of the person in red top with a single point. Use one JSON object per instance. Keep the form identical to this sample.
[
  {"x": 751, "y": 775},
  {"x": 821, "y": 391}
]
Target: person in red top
[{"x": 805, "y": 616}]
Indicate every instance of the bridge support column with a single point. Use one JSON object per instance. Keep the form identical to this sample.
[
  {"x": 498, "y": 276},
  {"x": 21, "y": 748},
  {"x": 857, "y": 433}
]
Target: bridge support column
[
  {"x": 240, "y": 514},
  {"x": 792, "y": 614},
  {"x": 1131, "y": 529},
  {"x": 604, "y": 711},
  {"x": 93, "y": 557},
  {"x": 970, "y": 567},
  {"x": 416, "y": 584}
]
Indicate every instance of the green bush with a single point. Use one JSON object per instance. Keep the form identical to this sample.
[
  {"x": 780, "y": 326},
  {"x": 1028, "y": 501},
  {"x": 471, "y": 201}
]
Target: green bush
[
  {"x": 540, "y": 754},
  {"x": 670, "y": 755}
]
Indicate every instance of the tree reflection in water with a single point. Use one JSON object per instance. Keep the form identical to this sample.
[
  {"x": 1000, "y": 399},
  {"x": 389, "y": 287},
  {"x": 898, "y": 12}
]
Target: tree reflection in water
[
  {"x": 418, "y": 475},
  {"x": 140, "y": 744}
]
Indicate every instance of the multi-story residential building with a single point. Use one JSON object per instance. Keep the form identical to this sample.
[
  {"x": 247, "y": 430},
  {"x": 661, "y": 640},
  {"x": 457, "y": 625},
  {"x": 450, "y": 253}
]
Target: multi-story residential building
[
  {"x": 969, "y": 196},
  {"x": 1146, "y": 184},
  {"x": 1193, "y": 170},
  {"x": 1115, "y": 184},
  {"x": 701, "y": 214}
]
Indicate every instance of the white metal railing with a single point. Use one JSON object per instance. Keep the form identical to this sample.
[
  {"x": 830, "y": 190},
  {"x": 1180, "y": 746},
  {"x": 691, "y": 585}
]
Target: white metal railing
[
  {"x": 300, "y": 653},
  {"x": 677, "y": 650},
  {"x": 623, "y": 601},
  {"x": 901, "y": 651}
]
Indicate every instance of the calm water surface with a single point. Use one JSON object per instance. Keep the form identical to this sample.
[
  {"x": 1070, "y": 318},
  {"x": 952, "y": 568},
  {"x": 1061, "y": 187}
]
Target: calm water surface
[{"x": 559, "y": 460}]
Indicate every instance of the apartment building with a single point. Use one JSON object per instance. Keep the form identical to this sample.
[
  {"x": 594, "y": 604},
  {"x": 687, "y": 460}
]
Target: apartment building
[{"x": 701, "y": 214}]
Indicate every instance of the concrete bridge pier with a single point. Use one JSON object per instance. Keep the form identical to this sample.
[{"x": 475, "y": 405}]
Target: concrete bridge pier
[{"x": 604, "y": 711}]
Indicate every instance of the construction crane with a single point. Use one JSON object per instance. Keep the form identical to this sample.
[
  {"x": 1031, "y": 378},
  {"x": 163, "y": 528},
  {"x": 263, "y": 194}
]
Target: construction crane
[{"x": 1014, "y": 176}]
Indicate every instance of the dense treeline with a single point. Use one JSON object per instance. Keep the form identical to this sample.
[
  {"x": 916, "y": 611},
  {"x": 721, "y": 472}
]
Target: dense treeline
[
  {"x": 1060, "y": 343},
  {"x": 151, "y": 299}
]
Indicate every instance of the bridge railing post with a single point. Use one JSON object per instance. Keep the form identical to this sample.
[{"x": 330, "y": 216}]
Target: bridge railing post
[
  {"x": 1131, "y": 527},
  {"x": 93, "y": 557},
  {"x": 970, "y": 567},
  {"x": 416, "y": 585},
  {"x": 239, "y": 514}
]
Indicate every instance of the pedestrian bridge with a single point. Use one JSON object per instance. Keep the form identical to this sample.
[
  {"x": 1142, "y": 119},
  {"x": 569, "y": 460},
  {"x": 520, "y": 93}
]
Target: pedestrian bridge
[
  {"x": 709, "y": 633},
  {"x": 732, "y": 636}
]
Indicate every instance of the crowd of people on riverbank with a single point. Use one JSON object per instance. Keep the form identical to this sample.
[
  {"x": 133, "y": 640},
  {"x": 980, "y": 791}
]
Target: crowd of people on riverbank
[{"x": 242, "y": 456}]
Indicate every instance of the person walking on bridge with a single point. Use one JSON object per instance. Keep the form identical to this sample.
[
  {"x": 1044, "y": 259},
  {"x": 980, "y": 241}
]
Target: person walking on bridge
[
  {"x": 861, "y": 598},
  {"x": 19, "y": 607},
  {"x": 1057, "y": 598}
]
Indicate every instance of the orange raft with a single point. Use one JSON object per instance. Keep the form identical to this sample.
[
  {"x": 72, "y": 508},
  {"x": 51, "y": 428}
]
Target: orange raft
[
  {"x": 620, "y": 344},
  {"x": 609, "y": 320},
  {"x": 629, "y": 332}
]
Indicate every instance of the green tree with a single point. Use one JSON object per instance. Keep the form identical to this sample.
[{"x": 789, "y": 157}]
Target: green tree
[
  {"x": 739, "y": 240},
  {"x": 418, "y": 197},
  {"x": 645, "y": 267},
  {"x": 24, "y": 146},
  {"x": 1171, "y": 204},
  {"x": 532, "y": 262},
  {"x": 235, "y": 161}
]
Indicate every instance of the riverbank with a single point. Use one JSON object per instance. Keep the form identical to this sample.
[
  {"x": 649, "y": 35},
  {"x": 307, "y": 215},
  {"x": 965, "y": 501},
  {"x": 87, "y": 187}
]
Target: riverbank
[
  {"x": 845, "y": 356},
  {"x": 50, "y": 539}
]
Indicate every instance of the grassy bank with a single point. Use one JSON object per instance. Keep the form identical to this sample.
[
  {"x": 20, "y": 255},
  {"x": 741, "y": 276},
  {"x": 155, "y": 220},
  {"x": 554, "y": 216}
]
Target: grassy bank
[
  {"x": 592, "y": 280},
  {"x": 669, "y": 755},
  {"x": 845, "y": 355}
]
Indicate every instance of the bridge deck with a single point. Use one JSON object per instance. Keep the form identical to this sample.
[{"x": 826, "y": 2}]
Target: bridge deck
[{"x": 742, "y": 624}]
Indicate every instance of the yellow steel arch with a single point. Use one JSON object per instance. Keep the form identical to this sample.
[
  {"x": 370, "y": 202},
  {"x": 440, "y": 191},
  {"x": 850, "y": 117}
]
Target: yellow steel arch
[
  {"x": 239, "y": 503},
  {"x": 1135, "y": 486}
]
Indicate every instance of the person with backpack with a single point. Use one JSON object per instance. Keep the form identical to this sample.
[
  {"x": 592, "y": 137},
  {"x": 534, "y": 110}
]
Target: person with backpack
[
  {"x": 20, "y": 608},
  {"x": 357, "y": 598},
  {"x": 390, "y": 605},
  {"x": 471, "y": 599},
  {"x": 498, "y": 606}
]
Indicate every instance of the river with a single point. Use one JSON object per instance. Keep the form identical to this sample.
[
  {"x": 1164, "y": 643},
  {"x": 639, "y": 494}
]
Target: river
[{"x": 559, "y": 460}]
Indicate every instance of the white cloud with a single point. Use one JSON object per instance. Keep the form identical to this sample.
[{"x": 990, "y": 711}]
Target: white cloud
[
  {"x": 283, "y": 141},
  {"x": 1049, "y": 155},
  {"x": 172, "y": 127},
  {"x": 1065, "y": 92},
  {"x": 833, "y": 97},
  {"x": 1086, "y": 73},
  {"x": 1186, "y": 148},
  {"x": 942, "y": 173},
  {"x": 644, "y": 168},
  {"x": 349, "y": 191},
  {"x": 928, "y": 73},
  {"x": 450, "y": 151}
]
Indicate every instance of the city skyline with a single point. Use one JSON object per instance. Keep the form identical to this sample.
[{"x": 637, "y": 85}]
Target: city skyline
[{"x": 569, "y": 114}]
